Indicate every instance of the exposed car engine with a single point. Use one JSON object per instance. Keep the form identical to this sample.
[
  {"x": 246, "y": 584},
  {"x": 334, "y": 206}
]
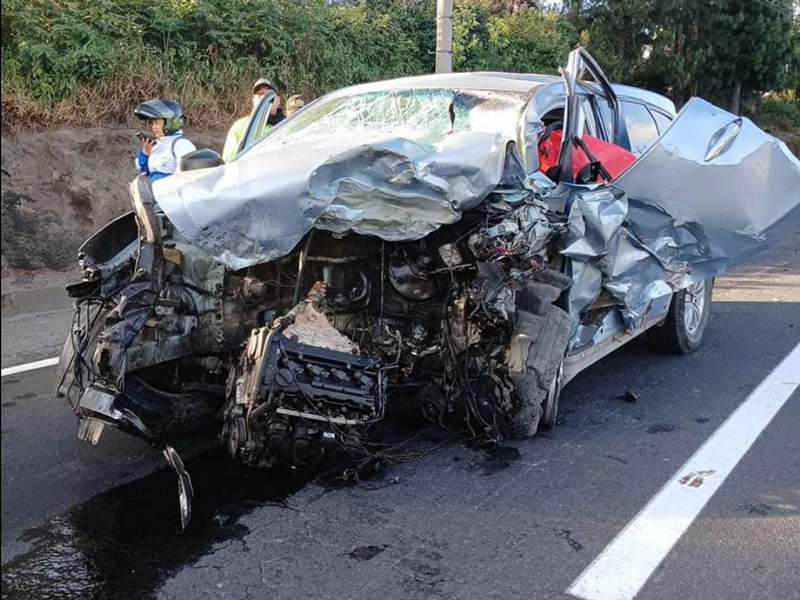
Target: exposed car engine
[{"x": 302, "y": 355}]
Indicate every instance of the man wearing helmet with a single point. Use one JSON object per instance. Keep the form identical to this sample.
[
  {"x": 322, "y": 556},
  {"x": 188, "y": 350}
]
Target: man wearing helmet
[
  {"x": 164, "y": 145},
  {"x": 235, "y": 134}
]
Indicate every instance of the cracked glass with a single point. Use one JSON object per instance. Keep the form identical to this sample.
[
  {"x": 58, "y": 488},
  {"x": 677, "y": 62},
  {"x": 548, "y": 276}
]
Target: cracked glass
[{"x": 421, "y": 115}]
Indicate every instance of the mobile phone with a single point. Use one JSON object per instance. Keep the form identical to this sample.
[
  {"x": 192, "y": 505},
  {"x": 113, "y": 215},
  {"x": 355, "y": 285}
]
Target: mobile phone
[{"x": 145, "y": 135}]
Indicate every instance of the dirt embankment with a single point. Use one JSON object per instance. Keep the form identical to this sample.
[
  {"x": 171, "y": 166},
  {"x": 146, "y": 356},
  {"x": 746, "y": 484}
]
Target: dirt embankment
[{"x": 60, "y": 186}]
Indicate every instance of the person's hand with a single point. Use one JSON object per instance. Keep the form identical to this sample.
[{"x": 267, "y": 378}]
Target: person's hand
[{"x": 147, "y": 146}]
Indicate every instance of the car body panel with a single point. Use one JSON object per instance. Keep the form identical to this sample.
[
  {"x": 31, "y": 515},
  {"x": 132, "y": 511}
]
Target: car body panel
[
  {"x": 257, "y": 208},
  {"x": 721, "y": 172}
]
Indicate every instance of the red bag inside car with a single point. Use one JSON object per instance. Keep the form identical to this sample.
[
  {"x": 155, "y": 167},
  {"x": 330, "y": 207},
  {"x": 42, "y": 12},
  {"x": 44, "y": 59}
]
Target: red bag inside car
[{"x": 614, "y": 158}]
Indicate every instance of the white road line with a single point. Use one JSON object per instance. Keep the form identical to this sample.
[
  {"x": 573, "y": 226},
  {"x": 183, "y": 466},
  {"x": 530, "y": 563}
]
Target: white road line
[
  {"x": 39, "y": 364},
  {"x": 627, "y": 562}
]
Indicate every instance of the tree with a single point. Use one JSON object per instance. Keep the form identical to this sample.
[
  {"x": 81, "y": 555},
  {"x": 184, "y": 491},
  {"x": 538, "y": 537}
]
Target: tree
[
  {"x": 618, "y": 33},
  {"x": 793, "y": 70},
  {"x": 751, "y": 42}
]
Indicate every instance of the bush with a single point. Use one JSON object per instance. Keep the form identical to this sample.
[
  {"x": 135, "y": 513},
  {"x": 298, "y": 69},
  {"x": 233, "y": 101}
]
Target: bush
[
  {"x": 91, "y": 61},
  {"x": 526, "y": 41},
  {"x": 87, "y": 62},
  {"x": 780, "y": 111}
]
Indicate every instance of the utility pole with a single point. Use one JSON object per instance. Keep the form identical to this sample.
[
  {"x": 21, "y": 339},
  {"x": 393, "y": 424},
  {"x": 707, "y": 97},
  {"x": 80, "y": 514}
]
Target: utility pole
[{"x": 444, "y": 36}]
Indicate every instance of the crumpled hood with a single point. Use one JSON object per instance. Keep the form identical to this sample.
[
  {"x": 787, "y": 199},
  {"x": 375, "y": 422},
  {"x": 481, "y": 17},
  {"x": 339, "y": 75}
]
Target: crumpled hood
[{"x": 258, "y": 207}]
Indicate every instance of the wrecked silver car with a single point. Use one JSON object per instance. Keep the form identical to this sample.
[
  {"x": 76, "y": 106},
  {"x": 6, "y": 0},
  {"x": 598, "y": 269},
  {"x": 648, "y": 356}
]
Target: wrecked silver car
[{"x": 466, "y": 243}]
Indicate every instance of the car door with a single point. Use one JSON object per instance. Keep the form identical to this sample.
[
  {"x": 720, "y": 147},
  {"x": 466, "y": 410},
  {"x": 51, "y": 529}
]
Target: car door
[
  {"x": 257, "y": 125},
  {"x": 584, "y": 72},
  {"x": 546, "y": 108},
  {"x": 719, "y": 171}
]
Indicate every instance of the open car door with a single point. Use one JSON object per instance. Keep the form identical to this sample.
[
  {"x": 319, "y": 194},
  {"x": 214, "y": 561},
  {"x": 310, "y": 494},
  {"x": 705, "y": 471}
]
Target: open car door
[
  {"x": 720, "y": 171},
  {"x": 713, "y": 190},
  {"x": 583, "y": 158},
  {"x": 257, "y": 126}
]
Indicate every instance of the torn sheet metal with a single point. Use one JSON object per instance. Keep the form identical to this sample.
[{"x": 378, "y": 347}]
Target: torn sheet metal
[
  {"x": 399, "y": 190},
  {"x": 258, "y": 207},
  {"x": 607, "y": 255},
  {"x": 721, "y": 172},
  {"x": 708, "y": 194},
  {"x": 633, "y": 250},
  {"x": 185, "y": 488},
  {"x": 595, "y": 217}
]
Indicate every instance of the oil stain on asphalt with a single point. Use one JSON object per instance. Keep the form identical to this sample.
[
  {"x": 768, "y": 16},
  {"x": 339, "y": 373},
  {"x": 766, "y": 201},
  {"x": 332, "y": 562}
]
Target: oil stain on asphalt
[
  {"x": 498, "y": 458},
  {"x": 123, "y": 543}
]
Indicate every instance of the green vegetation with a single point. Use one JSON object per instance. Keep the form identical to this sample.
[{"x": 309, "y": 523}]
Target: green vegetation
[
  {"x": 87, "y": 62},
  {"x": 92, "y": 61},
  {"x": 781, "y": 111}
]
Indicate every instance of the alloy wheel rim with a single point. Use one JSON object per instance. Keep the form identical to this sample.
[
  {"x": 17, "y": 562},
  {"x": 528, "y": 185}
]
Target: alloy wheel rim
[{"x": 695, "y": 302}]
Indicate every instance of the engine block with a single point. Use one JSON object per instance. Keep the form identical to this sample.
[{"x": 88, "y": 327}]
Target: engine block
[{"x": 293, "y": 403}]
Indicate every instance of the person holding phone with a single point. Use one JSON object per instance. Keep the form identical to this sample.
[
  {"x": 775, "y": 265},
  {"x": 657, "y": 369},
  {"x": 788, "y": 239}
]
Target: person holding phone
[{"x": 163, "y": 142}]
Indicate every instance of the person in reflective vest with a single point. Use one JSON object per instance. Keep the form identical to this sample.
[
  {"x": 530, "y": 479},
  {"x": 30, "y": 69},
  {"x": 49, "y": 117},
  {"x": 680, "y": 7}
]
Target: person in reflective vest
[{"x": 236, "y": 132}]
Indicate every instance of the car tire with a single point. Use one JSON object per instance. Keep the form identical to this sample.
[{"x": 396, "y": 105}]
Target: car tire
[
  {"x": 539, "y": 388},
  {"x": 682, "y": 330},
  {"x": 550, "y": 405}
]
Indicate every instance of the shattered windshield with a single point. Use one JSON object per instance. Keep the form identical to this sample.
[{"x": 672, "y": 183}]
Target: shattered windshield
[{"x": 422, "y": 115}]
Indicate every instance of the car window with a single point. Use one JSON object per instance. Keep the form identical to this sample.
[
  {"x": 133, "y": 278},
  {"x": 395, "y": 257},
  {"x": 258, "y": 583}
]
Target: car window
[
  {"x": 257, "y": 126},
  {"x": 642, "y": 129},
  {"x": 662, "y": 120},
  {"x": 588, "y": 117}
]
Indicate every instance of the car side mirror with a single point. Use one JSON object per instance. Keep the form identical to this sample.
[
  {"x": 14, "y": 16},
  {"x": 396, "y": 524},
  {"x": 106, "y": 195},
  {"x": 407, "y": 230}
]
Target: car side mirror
[{"x": 205, "y": 158}]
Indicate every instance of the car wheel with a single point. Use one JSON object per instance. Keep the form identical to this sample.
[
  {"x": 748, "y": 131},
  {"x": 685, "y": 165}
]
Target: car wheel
[
  {"x": 550, "y": 406},
  {"x": 682, "y": 331}
]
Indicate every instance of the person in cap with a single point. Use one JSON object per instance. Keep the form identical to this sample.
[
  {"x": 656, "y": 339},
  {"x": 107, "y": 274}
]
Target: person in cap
[
  {"x": 293, "y": 104},
  {"x": 235, "y": 134},
  {"x": 163, "y": 144}
]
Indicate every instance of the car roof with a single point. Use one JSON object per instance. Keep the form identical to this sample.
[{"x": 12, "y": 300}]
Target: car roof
[{"x": 497, "y": 81}]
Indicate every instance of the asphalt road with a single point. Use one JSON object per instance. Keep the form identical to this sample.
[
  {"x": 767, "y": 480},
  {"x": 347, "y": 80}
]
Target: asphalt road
[{"x": 522, "y": 521}]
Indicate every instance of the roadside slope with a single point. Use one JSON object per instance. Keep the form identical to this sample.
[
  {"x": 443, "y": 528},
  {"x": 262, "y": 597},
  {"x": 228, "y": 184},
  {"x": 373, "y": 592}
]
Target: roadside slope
[{"x": 58, "y": 187}]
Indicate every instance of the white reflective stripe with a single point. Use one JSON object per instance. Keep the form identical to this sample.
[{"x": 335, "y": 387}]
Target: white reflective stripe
[
  {"x": 627, "y": 562},
  {"x": 39, "y": 364}
]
